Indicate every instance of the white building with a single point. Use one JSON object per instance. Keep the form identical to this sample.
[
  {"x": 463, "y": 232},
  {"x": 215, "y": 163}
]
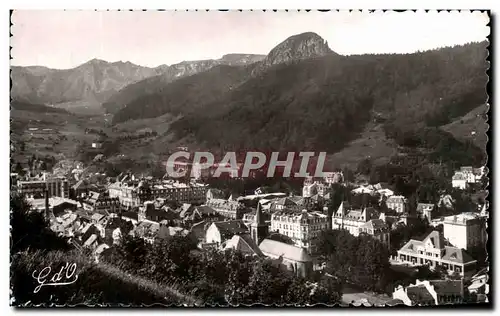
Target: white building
[
  {"x": 466, "y": 230},
  {"x": 301, "y": 227},
  {"x": 467, "y": 175},
  {"x": 220, "y": 232},
  {"x": 459, "y": 180},
  {"x": 433, "y": 252},
  {"x": 397, "y": 203},
  {"x": 352, "y": 220}
]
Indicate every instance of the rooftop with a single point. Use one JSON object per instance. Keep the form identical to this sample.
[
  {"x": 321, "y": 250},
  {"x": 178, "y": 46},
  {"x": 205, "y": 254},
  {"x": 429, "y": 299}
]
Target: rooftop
[
  {"x": 279, "y": 249},
  {"x": 231, "y": 227},
  {"x": 461, "y": 218}
]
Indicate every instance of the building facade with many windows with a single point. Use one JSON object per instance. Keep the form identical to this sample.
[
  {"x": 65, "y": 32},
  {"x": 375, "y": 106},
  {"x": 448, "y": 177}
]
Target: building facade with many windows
[
  {"x": 302, "y": 227},
  {"x": 135, "y": 193},
  {"x": 352, "y": 220},
  {"x": 433, "y": 252},
  {"x": 56, "y": 186}
]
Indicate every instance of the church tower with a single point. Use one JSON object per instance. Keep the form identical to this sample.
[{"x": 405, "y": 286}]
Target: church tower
[{"x": 259, "y": 229}]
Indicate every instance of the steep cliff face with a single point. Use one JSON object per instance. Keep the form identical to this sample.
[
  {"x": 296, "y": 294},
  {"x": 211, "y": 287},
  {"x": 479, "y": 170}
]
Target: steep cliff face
[{"x": 294, "y": 48}]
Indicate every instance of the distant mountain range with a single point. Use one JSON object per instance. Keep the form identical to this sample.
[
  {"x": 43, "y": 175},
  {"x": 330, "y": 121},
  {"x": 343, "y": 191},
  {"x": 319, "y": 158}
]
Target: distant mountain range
[
  {"x": 98, "y": 80},
  {"x": 302, "y": 95}
]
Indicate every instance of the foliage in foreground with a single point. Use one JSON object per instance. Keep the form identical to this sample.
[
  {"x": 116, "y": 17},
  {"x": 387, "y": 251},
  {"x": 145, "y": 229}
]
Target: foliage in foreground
[{"x": 220, "y": 277}]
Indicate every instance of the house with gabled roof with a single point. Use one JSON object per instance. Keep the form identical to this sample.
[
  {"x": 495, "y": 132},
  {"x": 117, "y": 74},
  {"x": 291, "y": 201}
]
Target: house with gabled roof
[
  {"x": 220, "y": 232},
  {"x": 433, "y": 252},
  {"x": 352, "y": 219}
]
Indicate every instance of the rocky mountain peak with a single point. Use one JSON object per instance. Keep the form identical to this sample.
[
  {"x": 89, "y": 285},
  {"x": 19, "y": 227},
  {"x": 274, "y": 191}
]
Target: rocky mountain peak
[{"x": 296, "y": 47}]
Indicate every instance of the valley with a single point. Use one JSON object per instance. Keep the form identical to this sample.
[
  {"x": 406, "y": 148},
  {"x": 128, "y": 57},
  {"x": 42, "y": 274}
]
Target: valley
[{"x": 301, "y": 96}]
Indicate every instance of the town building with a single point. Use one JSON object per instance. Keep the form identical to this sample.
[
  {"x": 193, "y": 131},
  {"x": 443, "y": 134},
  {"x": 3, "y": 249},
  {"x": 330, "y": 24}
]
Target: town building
[
  {"x": 378, "y": 229},
  {"x": 466, "y": 230},
  {"x": 467, "y": 175},
  {"x": 295, "y": 259},
  {"x": 150, "y": 212},
  {"x": 397, "y": 203},
  {"x": 56, "y": 205},
  {"x": 352, "y": 220},
  {"x": 259, "y": 229},
  {"x": 135, "y": 193},
  {"x": 100, "y": 202},
  {"x": 166, "y": 231},
  {"x": 432, "y": 251},
  {"x": 321, "y": 186},
  {"x": 459, "y": 180},
  {"x": 302, "y": 227},
  {"x": 378, "y": 188},
  {"x": 434, "y": 292},
  {"x": 147, "y": 230},
  {"x": 35, "y": 188},
  {"x": 220, "y": 232},
  {"x": 227, "y": 208}
]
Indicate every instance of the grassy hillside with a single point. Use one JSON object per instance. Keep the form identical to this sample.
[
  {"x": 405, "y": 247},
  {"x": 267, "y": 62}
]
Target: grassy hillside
[{"x": 472, "y": 127}]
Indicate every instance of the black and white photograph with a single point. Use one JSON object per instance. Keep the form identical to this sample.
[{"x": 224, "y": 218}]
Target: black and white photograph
[{"x": 232, "y": 158}]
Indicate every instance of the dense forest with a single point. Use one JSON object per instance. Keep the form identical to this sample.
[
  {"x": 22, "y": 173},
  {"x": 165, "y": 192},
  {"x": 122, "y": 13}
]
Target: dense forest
[
  {"x": 321, "y": 103},
  {"x": 154, "y": 97}
]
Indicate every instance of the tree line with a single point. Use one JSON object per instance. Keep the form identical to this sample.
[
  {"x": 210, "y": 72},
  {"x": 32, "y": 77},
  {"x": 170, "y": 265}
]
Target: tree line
[{"x": 220, "y": 277}]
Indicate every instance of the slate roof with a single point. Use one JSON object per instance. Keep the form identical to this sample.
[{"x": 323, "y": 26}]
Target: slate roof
[
  {"x": 456, "y": 255},
  {"x": 204, "y": 209},
  {"x": 245, "y": 244},
  {"x": 375, "y": 224},
  {"x": 278, "y": 249},
  {"x": 419, "y": 294},
  {"x": 436, "y": 238},
  {"x": 229, "y": 228}
]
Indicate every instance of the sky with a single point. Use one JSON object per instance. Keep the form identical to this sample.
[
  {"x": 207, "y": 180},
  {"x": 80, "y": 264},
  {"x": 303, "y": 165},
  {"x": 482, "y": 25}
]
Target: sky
[{"x": 66, "y": 39}]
